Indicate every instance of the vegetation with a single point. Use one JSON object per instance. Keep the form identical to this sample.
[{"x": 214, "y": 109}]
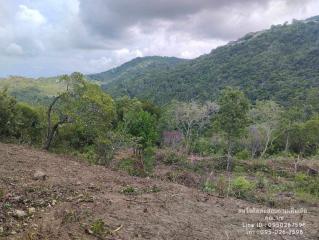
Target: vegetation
[{"x": 263, "y": 130}]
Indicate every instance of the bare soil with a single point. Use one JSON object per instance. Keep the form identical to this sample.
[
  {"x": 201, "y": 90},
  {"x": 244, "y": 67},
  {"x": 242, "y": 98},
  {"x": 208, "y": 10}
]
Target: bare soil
[{"x": 80, "y": 201}]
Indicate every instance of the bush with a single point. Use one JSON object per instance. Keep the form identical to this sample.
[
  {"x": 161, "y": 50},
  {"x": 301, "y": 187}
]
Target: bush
[
  {"x": 149, "y": 159},
  {"x": 241, "y": 187},
  {"x": 129, "y": 190},
  {"x": 98, "y": 227},
  {"x": 202, "y": 146},
  {"x": 261, "y": 181},
  {"x": 243, "y": 155},
  {"x": 221, "y": 186},
  {"x": 307, "y": 184},
  {"x": 208, "y": 186},
  {"x": 171, "y": 157}
]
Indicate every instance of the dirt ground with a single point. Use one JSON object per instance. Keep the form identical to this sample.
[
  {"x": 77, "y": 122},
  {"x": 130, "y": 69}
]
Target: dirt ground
[{"x": 76, "y": 200}]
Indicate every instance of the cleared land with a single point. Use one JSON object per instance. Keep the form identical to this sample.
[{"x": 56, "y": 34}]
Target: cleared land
[{"x": 75, "y": 200}]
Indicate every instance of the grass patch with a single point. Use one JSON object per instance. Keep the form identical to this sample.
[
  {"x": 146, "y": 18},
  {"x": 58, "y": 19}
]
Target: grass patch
[{"x": 129, "y": 190}]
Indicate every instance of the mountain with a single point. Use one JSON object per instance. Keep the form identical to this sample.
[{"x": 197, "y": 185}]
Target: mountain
[
  {"x": 136, "y": 69},
  {"x": 281, "y": 63},
  {"x": 30, "y": 90}
]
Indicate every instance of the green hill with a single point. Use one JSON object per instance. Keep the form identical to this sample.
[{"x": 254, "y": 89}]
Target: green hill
[
  {"x": 281, "y": 63},
  {"x": 136, "y": 69},
  {"x": 30, "y": 90}
]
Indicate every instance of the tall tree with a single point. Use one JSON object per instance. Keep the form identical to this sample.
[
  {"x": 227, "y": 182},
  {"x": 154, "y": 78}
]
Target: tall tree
[
  {"x": 265, "y": 117},
  {"x": 190, "y": 118},
  {"x": 232, "y": 118},
  {"x": 82, "y": 103}
]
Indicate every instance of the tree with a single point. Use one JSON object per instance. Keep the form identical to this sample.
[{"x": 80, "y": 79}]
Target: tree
[
  {"x": 265, "y": 117},
  {"x": 7, "y": 114},
  {"x": 141, "y": 125},
  {"x": 83, "y": 104},
  {"x": 232, "y": 117},
  {"x": 190, "y": 118},
  {"x": 28, "y": 123},
  {"x": 288, "y": 120},
  {"x": 305, "y": 137}
]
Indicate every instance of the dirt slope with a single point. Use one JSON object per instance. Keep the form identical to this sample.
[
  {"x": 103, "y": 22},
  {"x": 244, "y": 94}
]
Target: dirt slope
[{"x": 79, "y": 201}]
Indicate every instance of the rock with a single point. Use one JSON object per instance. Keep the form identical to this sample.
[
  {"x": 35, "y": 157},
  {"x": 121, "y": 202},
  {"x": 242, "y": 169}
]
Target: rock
[
  {"x": 53, "y": 202},
  {"x": 19, "y": 214},
  {"x": 39, "y": 175},
  {"x": 31, "y": 210}
]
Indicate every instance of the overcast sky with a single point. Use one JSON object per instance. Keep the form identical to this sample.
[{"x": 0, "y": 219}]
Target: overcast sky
[{"x": 51, "y": 37}]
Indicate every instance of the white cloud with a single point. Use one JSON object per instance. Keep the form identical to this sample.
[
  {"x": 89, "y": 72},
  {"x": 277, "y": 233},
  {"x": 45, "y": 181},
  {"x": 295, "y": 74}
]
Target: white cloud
[
  {"x": 30, "y": 15},
  {"x": 41, "y": 38},
  {"x": 14, "y": 49}
]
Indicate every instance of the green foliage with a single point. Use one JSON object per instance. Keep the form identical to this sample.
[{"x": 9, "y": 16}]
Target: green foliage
[
  {"x": 232, "y": 116},
  {"x": 241, "y": 187},
  {"x": 29, "y": 123},
  {"x": 305, "y": 137},
  {"x": 7, "y": 114},
  {"x": 98, "y": 227},
  {"x": 261, "y": 181},
  {"x": 208, "y": 186},
  {"x": 149, "y": 159},
  {"x": 171, "y": 157},
  {"x": 129, "y": 190},
  {"x": 141, "y": 125},
  {"x": 32, "y": 91},
  {"x": 19, "y": 120},
  {"x": 134, "y": 70},
  {"x": 307, "y": 184},
  {"x": 202, "y": 146},
  {"x": 243, "y": 155},
  {"x": 127, "y": 165}
]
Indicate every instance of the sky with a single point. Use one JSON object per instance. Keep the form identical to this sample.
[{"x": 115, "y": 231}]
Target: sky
[{"x": 53, "y": 37}]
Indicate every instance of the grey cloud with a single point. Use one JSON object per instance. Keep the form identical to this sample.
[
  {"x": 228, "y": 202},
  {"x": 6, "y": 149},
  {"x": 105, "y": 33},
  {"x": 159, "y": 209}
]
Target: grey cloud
[
  {"x": 205, "y": 18},
  {"x": 94, "y": 35},
  {"x": 115, "y": 19}
]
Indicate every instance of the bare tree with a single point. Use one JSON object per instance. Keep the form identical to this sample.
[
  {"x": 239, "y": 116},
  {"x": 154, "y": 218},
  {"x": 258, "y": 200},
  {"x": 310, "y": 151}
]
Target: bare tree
[{"x": 191, "y": 118}]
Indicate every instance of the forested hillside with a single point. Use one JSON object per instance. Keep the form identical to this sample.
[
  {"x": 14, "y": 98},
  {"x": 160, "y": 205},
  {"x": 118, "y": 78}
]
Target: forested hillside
[
  {"x": 136, "y": 69},
  {"x": 280, "y": 64}
]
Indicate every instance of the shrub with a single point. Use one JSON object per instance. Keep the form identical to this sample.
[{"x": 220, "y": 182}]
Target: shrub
[
  {"x": 221, "y": 186},
  {"x": 307, "y": 184},
  {"x": 261, "y": 181},
  {"x": 149, "y": 159},
  {"x": 98, "y": 227},
  {"x": 127, "y": 165},
  {"x": 129, "y": 190},
  {"x": 202, "y": 146},
  {"x": 243, "y": 155},
  {"x": 172, "y": 157},
  {"x": 241, "y": 187},
  {"x": 208, "y": 186}
]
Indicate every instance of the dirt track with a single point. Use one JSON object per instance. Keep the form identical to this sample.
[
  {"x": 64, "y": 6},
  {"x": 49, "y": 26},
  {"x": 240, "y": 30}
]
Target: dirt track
[{"x": 75, "y": 195}]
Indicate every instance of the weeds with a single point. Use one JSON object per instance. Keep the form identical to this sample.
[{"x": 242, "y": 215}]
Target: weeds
[
  {"x": 129, "y": 190},
  {"x": 241, "y": 187}
]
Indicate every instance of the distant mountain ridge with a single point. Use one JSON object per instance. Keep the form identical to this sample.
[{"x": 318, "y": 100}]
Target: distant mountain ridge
[
  {"x": 280, "y": 63},
  {"x": 135, "y": 68}
]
